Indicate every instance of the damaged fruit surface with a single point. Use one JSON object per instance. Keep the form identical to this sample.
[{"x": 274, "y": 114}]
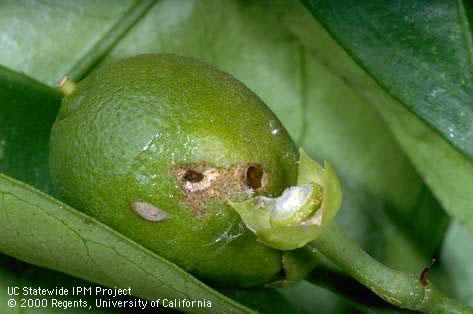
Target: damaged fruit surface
[
  {"x": 156, "y": 145},
  {"x": 301, "y": 213}
]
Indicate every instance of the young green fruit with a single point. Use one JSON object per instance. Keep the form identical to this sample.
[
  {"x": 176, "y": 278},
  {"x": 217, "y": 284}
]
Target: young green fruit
[{"x": 156, "y": 146}]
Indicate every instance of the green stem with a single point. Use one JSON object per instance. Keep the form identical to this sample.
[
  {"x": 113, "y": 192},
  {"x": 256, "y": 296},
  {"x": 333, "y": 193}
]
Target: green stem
[{"x": 398, "y": 288}]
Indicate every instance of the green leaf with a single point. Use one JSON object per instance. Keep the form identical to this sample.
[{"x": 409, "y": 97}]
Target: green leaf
[
  {"x": 40, "y": 230},
  {"x": 455, "y": 258},
  {"x": 359, "y": 296},
  {"x": 49, "y": 39},
  {"x": 14, "y": 273},
  {"x": 446, "y": 171},
  {"x": 27, "y": 112},
  {"x": 420, "y": 52},
  {"x": 268, "y": 301},
  {"x": 310, "y": 298}
]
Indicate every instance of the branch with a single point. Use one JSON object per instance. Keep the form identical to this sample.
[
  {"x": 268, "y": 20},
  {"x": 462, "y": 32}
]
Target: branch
[{"x": 401, "y": 289}]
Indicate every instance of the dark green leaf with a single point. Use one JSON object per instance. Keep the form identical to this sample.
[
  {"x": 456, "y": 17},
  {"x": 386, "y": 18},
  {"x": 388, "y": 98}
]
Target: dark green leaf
[
  {"x": 361, "y": 297},
  {"x": 268, "y": 301},
  {"x": 447, "y": 172},
  {"x": 421, "y": 52},
  {"x": 309, "y": 298},
  {"x": 27, "y": 112}
]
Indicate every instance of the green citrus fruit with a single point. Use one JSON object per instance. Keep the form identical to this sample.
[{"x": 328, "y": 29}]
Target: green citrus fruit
[{"x": 155, "y": 146}]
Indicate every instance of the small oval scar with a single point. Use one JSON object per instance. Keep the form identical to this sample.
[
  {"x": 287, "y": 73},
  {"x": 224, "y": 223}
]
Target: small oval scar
[{"x": 149, "y": 211}]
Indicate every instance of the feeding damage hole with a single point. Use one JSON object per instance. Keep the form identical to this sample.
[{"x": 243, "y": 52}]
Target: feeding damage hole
[
  {"x": 193, "y": 176},
  {"x": 202, "y": 182},
  {"x": 255, "y": 177}
]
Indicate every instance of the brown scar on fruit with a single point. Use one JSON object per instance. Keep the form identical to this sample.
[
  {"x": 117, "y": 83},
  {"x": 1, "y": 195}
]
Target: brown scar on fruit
[
  {"x": 149, "y": 211},
  {"x": 201, "y": 182}
]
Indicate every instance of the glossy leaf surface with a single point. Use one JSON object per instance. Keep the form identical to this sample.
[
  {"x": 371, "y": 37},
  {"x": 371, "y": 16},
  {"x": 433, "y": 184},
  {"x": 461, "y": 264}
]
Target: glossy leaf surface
[{"x": 420, "y": 52}]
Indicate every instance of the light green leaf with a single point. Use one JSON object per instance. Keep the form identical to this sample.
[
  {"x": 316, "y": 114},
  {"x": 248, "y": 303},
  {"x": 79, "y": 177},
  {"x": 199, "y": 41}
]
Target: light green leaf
[
  {"x": 456, "y": 256},
  {"x": 445, "y": 170},
  {"x": 40, "y": 230},
  {"x": 49, "y": 39}
]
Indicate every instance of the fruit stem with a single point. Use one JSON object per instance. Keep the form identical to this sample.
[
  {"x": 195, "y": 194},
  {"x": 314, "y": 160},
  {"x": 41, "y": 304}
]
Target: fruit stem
[
  {"x": 66, "y": 86},
  {"x": 401, "y": 289}
]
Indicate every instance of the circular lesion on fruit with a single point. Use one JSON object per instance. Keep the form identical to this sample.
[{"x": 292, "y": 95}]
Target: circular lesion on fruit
[{"x": 201, "y": 182}]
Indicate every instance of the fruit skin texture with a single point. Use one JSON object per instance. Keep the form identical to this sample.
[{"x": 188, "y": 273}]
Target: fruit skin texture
[{"x": 121, "y": 135}]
